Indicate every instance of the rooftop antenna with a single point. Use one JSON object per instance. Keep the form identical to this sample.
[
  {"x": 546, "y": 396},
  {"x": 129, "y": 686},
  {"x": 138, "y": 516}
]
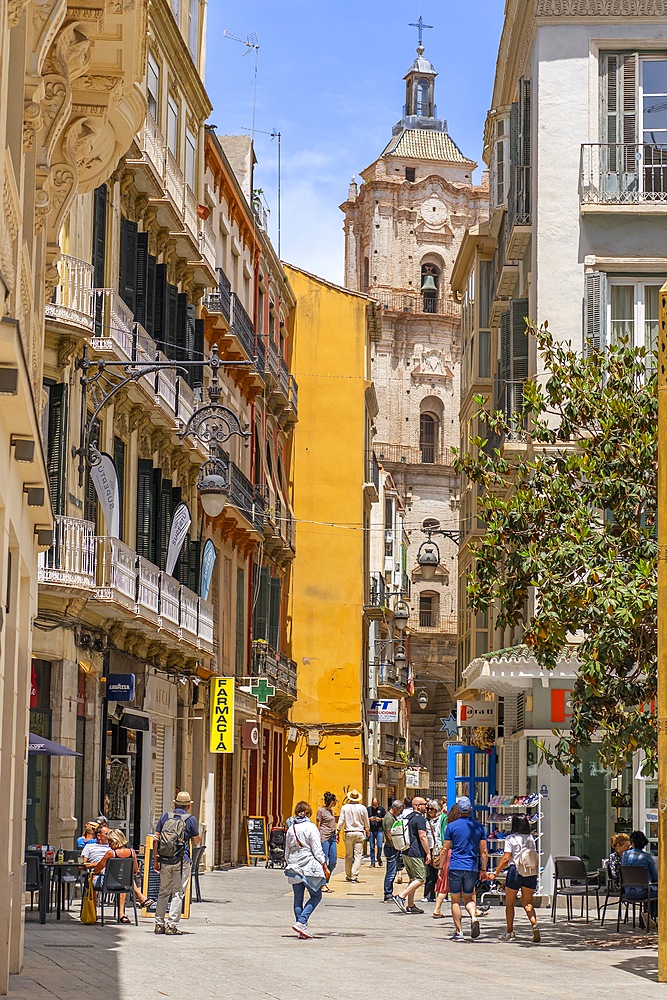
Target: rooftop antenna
[
  {"x": 420, "y": 25},
  {"x": 251, "y": 43},
  {"x": 275, "y": 134}
]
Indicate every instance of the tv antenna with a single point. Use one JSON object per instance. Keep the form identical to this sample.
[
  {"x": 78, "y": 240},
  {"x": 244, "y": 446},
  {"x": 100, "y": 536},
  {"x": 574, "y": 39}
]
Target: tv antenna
[
  {"x": 251, "y": 43},
  {"x": 275, "y": 134}
]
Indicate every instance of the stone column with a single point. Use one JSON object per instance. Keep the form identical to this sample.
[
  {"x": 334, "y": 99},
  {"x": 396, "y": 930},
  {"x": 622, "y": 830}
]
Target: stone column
[{"x": 64, "y": 690}]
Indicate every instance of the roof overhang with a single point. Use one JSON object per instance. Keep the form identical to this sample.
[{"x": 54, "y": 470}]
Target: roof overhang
[{"x": 509, "y": 674}]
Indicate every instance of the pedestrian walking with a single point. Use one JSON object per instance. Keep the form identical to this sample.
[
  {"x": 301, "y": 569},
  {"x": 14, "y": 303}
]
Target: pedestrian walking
[
  {"x": 442, "y": 885},
  {"x": 376, "y": 813},
  {"x": 415, "y": 857},
  {"x": 326, "y": 824},
  {"x": 391, "y": 855},
  {"x": 306, "y": 867},
  {"x": 177, "y": 831},
  {"x": 353, "y": 821},
  {"x": 522, "y": 858},
  {"x": 465, "y": 838},
  {"x": 434, "y": 836}
]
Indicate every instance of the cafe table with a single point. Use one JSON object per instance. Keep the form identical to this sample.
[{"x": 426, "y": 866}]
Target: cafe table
[{"x": 54, "y": 870}]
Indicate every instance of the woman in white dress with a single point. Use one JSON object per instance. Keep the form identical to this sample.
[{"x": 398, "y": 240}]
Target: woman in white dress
[{"x": 306, "y": 866}]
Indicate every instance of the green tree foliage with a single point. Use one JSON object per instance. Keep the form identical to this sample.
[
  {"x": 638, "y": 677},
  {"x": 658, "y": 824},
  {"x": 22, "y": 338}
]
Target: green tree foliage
[{"x": 571, "y": 518}]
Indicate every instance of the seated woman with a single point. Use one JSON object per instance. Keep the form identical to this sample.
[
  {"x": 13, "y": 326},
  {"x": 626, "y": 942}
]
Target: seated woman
[
  {"x": 118, "y": 849},
  {"x": 89, "y": 833},
  {"x": 620, "y": 843},
  {"x": 636, "y": 856}
]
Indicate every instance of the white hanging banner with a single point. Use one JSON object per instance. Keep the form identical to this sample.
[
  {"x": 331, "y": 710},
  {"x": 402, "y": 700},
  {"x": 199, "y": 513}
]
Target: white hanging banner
[
  {"x": 180, "y": 524},
  {"x": 105, "y": 481}
]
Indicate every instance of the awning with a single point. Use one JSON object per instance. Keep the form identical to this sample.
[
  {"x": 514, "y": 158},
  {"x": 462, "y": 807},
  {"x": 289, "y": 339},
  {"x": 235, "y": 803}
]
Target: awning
[
  {"x": 132, "y": 718},
  {"x": 510, "y": 671},
  {"x": 40, "y": 745}
]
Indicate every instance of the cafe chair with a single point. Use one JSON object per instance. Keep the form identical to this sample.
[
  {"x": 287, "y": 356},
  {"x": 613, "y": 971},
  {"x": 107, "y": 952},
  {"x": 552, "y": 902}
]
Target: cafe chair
[
  {"x": 633, "y": 875},
  {"x": 197, "y": 853},
  {"x": 33, "y": 876},
  {"x": 572, "y": 880},
  {"x": 68, "y": 878},
  {"x": 118, "y": 878},
  {"x": 612, "y": 890}
]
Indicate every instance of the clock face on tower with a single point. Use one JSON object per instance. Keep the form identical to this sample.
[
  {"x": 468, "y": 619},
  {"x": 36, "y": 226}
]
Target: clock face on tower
[{"x": 434, "y": 212}]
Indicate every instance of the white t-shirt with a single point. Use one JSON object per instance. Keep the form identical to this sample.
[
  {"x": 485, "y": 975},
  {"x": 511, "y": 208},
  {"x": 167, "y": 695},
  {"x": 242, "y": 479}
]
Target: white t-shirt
[
  {"x": 94, "y": 852},
  {"x": 515, "y": 842},
  {"x": 353, "y": 818}
]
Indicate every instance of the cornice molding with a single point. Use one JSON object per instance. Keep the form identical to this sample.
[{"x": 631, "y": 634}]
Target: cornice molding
[{"x": 601, "y": 8}]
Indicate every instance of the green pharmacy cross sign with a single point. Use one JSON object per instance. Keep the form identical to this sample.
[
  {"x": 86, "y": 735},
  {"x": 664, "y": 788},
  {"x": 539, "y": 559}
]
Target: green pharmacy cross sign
[{"x": 262, "y": 690}]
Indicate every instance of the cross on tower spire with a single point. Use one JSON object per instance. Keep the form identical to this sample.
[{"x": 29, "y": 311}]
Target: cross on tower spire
[{"x": 420, "y": 25}]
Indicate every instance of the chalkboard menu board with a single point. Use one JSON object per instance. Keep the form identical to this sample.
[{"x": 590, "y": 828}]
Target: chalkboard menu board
[
  {"x": 151, "y": 883},
  {"x": 255, "y": 835}
]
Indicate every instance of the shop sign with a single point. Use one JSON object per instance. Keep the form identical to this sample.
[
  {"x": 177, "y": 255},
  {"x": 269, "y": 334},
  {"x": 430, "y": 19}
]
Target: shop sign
[
  {"x": 180, "y": 525},
  {"x": 561, "y": 705},
  {"x": 120, "y": 687},
  {"x": 207, "y": 564},
  {"x": 160, "y": 697},
  {"x": 393, "y": 777},
  {"x": 222, "y": 715},
  {"x": 250, "y": 736},
  {"x": 105, "y": 480},
  {"x": 476, "y": 713},
  {"x": 412, "y": 777},
  {"x": 382, "y": 711}
]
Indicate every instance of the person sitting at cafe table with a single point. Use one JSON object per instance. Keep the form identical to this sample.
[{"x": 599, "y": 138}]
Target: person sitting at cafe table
[
  {"x": 96, "y": 849},
  {"x": 89, "y": 833},
  {"x": 117, "y": 848}
]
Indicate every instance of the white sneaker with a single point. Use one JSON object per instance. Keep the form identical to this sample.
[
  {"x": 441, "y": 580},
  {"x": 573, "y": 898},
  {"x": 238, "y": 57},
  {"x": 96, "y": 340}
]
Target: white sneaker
[
  {"x": 474, "y": 929},
  {"x": 301, "y": 930},
  {"x": 457, "y": 936},
  {"x": 508, "y": 936}
]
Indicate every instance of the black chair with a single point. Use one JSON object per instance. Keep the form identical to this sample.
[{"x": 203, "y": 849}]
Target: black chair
[
  {"x": 613, "y": 889},
  {"x": 197, "y": 853},
  {"x": 571, "y": 880},
  {"x": 633, "y": 875},
  {"x": 118, "y": 878},
  {"x": 33, "y": 876}
]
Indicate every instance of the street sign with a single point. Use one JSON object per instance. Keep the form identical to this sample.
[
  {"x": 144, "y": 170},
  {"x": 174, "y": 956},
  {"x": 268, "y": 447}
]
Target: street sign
[
  {"x": 476, "y": 713},
  {"x": 222, "y": 715},
  {"x": 382, "y": 711},
  {"x": 250, "y": 736},
  {"x": 262, "y": 690}
]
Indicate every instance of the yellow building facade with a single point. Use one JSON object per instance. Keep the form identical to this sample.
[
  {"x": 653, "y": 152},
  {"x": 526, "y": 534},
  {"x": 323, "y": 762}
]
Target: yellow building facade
[{"x": 333, "y": 490}]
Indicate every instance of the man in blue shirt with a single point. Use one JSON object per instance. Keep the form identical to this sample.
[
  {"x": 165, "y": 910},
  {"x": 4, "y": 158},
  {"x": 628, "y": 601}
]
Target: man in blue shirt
[
  {"x": 465, "y": 840},
  {"x": 174, "y": 862},
  {"x": 637, "y": 857}
]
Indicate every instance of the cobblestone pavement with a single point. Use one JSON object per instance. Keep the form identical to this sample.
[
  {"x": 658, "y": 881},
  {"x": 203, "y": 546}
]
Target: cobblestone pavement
[{"x": 239, "y": 944}]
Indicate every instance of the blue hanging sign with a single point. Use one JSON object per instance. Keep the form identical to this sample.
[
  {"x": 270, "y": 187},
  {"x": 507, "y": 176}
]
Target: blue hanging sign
[{"x": 120, "y": 687}]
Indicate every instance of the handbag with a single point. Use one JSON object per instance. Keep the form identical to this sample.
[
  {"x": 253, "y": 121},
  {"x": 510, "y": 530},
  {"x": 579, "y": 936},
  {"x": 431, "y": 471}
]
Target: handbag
[
  {"x": 435, "y": 854},
  {"x": 88, "y": 908}
]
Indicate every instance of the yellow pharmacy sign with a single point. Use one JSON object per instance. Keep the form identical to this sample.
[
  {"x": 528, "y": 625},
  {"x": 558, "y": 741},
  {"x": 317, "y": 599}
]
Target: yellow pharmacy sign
[{"x": 222, "y": 715}]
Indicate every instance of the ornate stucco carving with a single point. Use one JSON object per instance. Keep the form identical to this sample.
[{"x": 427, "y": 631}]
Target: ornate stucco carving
[
  {"x": 15, "y": 9},
  {"x": 601, "y": 8}
]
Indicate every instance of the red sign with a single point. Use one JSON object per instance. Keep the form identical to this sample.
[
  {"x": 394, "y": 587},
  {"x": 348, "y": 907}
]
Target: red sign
[
  {"x": 561, "y": 705},
  {"x": 250, "y": 736}
]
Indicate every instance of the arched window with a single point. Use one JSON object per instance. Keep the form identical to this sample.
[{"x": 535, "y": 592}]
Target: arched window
[
  {"x": 428, "y": 437},
  {"x": 430, "y": 286},
  {"x": 423, "y": 103},
  {"x": 429, "y": 606}
]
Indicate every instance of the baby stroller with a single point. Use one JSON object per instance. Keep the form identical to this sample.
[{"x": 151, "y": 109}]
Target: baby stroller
[{"x": 276, "y": 857}]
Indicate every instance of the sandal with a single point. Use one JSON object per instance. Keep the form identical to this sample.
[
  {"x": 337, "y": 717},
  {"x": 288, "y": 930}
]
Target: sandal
[
  {"x": 124, "y": 920},
  {"x": 438, "y": 916}
]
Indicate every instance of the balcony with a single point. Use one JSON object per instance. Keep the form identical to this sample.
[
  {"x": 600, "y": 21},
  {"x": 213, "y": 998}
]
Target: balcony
[
  {"x": 510, "y": 401},
  {"x": 371, "y": 484},
  {"x": 218, "y": 302},
  {"x": 402, "y": 454},
  {"x": 72, "y": 302},
  {"x": 152, "y": 148},
  {"x": 519, "y": 214},
  {"x": 191, "y": 217},
  {"x": 113, "y": 325},
  {"x": 629, "y": 175},
  {"x": 275, "y": 667},
  {"x": 242, "y": 328},
  {"x": 375, "y": 603},
  {"x": 116, "y": 576},
  {"x": 291, "y": 414},
  {"x": 393, "y": 748},
  {"x": 413, "y": 302},
  {"x": 207, "y": 241},
  {"x": 70, "y": 562},
  {"x": 391, "y": 680},
  {"x": 433, "y": 622},
  {"x": 278, "y": 524}
]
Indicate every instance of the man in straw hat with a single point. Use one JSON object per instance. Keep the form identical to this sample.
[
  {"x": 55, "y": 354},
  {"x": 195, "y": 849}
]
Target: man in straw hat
[
  {"x": 353, "y": 820},
  {"x": 176, "y": 831}
]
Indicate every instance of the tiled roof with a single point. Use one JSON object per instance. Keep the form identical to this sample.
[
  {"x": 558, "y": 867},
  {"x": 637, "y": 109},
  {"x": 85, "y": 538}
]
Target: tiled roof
[{"x": 424, "y": 144}]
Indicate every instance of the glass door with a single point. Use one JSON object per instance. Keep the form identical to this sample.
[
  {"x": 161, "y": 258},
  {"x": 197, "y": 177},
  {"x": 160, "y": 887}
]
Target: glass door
[
  {"x": 589, "y": 809},
  {"x": 471, "y": 772}
]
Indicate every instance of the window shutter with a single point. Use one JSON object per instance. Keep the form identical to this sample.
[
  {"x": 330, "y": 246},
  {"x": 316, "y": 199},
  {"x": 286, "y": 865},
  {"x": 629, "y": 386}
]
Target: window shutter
[
  {"x": 163, "y": 520},
  {"x": 523, "y": 115},
  {"x": 160, "y": 311},
  {"x": 171, "y": 321},
  {"x": 99, "y": 235},
  {"x": 519, "y": 341},
  {"x": 193, "y": 577},
  {"x": 185, "y": 333},
  {"x": 127, "y": 277},
  {"x": 514, "y": 134},
  {"x": 151, "y": 265},
  {"x": 595, "y": 311},
  {"x": 57, "y": 446},
  {"x": 260, "y": 615},
  {"x": 240, "y": 624},
  {"x": 609, "y": 67},
  {"x": 505, "y": 348},
  {"x": 196, "y": 375},
  {"x": 90, "y": 507},
  {"x": 145, "y": 508},
  {"x": 141, "y": 278},
  {"x": 629, "y": 95},
  {"x": 274, "y": 612},
  {"x": 119, "y": 462}
]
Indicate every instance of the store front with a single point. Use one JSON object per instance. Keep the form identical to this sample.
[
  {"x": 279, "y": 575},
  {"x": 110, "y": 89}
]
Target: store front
[
  {"x": 159, "y": 772},
  {"x": 39, "y": 765}
]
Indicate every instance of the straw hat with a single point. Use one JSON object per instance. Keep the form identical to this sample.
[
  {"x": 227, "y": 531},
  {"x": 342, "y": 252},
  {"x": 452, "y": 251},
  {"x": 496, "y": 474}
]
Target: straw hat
[
  {"x": 183, "y": 799},
  {"x": 354, "y": 795}
]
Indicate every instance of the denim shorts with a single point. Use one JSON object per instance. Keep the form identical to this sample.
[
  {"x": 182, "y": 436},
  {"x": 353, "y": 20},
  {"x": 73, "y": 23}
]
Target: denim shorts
[
  {"x": 516, "y": 881},
  {"x": 462, "y": 881}
]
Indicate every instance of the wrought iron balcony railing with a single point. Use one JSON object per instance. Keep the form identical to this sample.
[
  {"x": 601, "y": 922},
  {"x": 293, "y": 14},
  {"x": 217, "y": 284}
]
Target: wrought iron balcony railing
[{"x": 621, "y": 173}]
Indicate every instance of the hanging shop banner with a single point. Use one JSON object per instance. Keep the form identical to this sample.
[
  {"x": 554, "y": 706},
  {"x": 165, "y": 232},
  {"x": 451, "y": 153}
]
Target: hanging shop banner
[
  {"x": 105, "y": 481},
  {"x": 119, "y": 687},
  {"x": 180, "y": 525},
  {"x": 250, "y": 736},
  {"x": 382, "y": 711},
  {"x": 222, "y": 715},
  {"x": 207, "y": 564},
  {"x": 476, "y": 713},
  {"x": 412, "y": 777}
]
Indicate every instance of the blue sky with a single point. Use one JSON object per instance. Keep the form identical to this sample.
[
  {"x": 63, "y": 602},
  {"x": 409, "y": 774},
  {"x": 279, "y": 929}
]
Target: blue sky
[{"x": 330, "y": 79}]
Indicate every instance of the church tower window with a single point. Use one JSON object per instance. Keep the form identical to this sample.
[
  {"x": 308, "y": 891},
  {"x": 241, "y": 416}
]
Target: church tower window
[{"x": 430, "y": 285}]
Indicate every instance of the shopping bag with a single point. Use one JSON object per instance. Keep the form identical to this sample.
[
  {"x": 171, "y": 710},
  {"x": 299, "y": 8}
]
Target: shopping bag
[{"x": 88, "y": 908}]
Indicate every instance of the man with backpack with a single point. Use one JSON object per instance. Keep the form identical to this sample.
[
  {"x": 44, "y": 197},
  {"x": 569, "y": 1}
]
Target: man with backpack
[
  {"x": 176, "y": 831},
  {"x": 416, "y": 853}
]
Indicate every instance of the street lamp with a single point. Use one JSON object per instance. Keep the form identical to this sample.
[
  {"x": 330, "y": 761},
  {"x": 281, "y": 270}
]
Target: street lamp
[
  {"x": 401, "y": 616},
  {"x": 213, "y": 488},
  {"x": 428, "y": 556}
]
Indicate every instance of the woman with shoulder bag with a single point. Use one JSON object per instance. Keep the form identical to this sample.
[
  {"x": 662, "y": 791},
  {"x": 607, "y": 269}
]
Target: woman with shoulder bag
[
  {"x": 442, "y": 885},
  {"x": 519, "y": 840},
  {"x": 306, "y": 866},
  {"x": 434, "y": 838}
]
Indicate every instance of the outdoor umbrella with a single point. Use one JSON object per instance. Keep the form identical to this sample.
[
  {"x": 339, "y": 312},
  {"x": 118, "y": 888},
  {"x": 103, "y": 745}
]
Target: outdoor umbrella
[{"x": 38, "y": 744}]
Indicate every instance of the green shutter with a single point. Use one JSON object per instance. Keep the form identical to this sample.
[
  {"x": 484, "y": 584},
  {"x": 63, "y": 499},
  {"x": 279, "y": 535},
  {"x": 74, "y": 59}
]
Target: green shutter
[
  {"x": 141, "y": 284},
  {"x": 505, "y": 348},
  {"x": 193, "y": 577},
  {"x": 260, "y": 614},
  {"x": 240, "y": 624},
  {"x": 56, "y": 449},
  {"x": 151, "y": 266},
  {"x": 160, "y": 311},
  {"x": 145, "y": 508},
  {"x": 519, "y": 340},
  {"x": 275, "y": 606},
  {"x": 99, "y": 235},
  {"x": 595, "y": 311},
  {"x": 171, "y": 332},
  {"x": 119, "y": 462},
  {"x": 127, "y": 275},
  {"x": 90, "y": 502}
]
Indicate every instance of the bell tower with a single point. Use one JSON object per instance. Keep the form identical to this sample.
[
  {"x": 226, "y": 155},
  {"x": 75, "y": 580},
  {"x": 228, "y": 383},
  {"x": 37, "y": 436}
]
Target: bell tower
[{"x": 420, "y": 110}]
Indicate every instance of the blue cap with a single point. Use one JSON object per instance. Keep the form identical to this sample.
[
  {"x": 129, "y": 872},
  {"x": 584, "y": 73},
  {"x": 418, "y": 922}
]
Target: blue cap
[{"x": 464, "y": 804}]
